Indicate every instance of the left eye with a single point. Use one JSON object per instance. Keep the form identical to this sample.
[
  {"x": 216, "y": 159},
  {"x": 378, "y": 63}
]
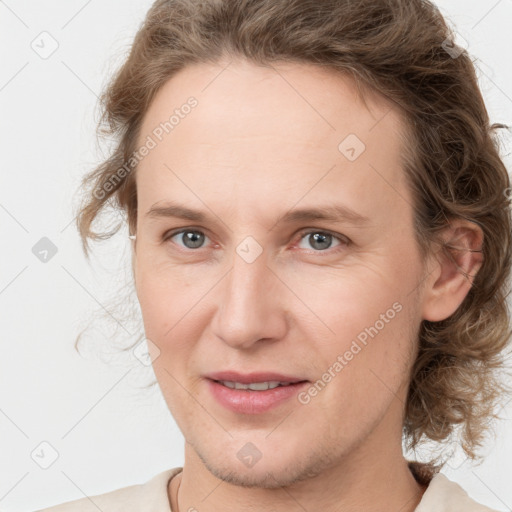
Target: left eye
[{"x": 319, "y": 240}]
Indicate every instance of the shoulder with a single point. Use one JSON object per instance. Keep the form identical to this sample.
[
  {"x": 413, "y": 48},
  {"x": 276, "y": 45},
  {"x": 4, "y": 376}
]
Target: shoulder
[
  {"x": 445, "y": 495},
  {"x": 151, "y": 496}
]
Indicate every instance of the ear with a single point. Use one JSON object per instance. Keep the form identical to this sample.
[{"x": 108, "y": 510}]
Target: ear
[{"x": 455, "y": 268}]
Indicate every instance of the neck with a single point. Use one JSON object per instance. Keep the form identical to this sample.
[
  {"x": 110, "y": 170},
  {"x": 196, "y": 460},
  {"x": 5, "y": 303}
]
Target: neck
[{"x": 369, "y": 488}]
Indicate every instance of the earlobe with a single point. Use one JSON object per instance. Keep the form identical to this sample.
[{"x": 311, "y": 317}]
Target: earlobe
[{"x": 455, "y": 268}]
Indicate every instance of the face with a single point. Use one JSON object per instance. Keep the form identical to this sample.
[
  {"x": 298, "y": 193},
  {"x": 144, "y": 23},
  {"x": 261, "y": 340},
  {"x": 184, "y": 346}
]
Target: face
[{"x": 247, "y": 284}]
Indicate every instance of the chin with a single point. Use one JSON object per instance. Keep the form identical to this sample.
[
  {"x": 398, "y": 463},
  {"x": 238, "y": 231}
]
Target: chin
[{"x": 282, "y": 470}]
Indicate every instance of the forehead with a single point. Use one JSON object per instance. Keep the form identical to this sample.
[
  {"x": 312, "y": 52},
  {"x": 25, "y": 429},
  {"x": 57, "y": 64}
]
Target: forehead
[
  {"x": 321, "y": 100},
  {"x": 278, "y": 128}
]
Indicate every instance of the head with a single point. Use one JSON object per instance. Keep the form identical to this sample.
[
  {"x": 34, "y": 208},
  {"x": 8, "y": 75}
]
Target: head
[{"x": 230, "y": 117}]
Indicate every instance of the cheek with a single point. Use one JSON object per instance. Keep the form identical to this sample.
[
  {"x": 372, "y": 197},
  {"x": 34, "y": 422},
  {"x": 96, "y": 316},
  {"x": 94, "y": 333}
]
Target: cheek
[
  {"x": 165, "y": 292},
  {"x": 363, "y": 375},
  {"x": 350, "y": 301},
  {"x": 369, "y": 351},
  {"x": 171, "y": 305}
]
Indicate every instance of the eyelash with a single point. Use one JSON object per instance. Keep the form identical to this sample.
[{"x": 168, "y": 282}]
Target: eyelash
[{"x": 303, "y": 233}]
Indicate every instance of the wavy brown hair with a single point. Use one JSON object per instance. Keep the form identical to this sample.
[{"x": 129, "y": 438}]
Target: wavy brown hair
[{"x": 402, "y": 50}]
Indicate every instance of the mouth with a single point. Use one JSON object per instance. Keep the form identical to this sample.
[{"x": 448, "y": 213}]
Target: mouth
[
  {"x": 256, "y": 386},
  {"x": 254, "y": 377},
  {"x": 253, "y": 393}
]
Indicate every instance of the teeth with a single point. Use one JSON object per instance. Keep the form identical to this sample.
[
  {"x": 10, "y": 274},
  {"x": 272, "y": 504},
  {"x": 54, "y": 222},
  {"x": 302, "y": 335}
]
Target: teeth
[{"x": 254, "y": 386}]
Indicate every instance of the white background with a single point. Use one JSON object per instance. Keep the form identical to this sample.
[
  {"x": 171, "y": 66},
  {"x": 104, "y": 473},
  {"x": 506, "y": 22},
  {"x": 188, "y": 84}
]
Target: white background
[{"x": 92, "y": 408}]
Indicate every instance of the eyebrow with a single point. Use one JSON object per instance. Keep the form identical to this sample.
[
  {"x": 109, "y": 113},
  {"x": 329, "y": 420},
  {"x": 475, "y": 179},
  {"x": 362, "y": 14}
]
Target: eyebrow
[{"x": 332, "y": 213}]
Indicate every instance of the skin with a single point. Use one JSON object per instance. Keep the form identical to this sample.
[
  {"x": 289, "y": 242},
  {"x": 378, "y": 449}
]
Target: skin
[{"x": 261, "y": 141}]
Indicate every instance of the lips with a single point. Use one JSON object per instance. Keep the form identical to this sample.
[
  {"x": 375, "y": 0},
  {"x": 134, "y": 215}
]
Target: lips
[{"x": 247, "y": 401}]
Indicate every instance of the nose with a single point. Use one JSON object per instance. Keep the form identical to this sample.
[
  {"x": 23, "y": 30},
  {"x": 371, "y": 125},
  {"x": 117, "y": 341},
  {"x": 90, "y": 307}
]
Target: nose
[{"x": 252, "y": 304}]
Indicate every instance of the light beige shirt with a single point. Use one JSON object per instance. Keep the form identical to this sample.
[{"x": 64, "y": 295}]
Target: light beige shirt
[{"x": 442, "y": 495}]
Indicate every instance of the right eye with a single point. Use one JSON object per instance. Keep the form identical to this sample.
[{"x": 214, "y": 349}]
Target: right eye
[{"x": 190, "y": 238}]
